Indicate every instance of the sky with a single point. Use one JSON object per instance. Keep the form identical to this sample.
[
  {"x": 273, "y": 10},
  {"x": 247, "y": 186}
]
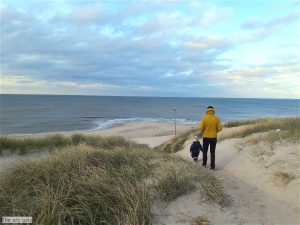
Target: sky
[{"x": 217, "y": 48}]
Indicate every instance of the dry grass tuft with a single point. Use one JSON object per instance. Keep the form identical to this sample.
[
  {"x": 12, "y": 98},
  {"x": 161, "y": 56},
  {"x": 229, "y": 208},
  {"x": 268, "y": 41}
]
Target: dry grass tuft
[
  {"x": 174, "y": 179},
  {"x": 176, "y": 144},
  {"x": 238, "y": 123},
  {"x": 99, "y": 181},
  {"x": 283, "y": 177},
  {"x": 23, "y": 145},
  {"x": 289, "y": 128},
  {"x": 200, "y": 220},
  {"x": 80, "y": 185},
  {"x": 277, "y": 149}
]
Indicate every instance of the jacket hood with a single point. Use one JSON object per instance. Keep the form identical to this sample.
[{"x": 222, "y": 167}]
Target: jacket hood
[{"x": 210, "y": 111}]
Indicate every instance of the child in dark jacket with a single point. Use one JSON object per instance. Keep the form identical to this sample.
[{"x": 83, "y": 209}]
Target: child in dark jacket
[{"x": 195, "y": 149}]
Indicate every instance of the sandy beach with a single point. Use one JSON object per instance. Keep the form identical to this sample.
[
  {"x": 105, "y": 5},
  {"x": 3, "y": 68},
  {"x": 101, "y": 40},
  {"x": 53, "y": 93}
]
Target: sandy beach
[{"x": 152, "y": 134}]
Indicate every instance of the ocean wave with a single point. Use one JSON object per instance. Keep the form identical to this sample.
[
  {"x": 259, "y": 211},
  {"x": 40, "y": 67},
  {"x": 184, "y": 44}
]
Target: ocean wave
[{"x": 102, "y": 124}]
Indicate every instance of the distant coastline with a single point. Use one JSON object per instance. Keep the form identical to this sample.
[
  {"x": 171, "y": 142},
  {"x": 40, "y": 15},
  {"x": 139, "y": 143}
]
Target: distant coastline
[
  {"x": 35, "y": 114},
  {"x": 134, "y": 96}
]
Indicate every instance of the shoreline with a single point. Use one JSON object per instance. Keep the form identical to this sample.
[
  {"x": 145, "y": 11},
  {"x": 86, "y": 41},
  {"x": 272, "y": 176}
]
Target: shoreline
[
  {"x": 151, "y": 133},
  {"x": 143, "y": 132},
  {"x": 190, "y": 123},
  {"x": 113, "y": 126}
]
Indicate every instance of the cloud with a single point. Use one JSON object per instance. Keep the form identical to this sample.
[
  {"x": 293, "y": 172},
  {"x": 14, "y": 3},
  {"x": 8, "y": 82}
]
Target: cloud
[
  {"x": 87, "y": 14},
  {"x": 213, "y": 16},
  {"x": 272, "y": 79},
  {"x": 256, "y": 24},
  {"x": 47, "y": 52},
  {"x": 209, "y": 42},
  {"x": 125, "y": 48}
]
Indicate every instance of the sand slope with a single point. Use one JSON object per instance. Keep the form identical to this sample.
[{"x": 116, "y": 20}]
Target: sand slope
[{"x": 256, "y": 197}]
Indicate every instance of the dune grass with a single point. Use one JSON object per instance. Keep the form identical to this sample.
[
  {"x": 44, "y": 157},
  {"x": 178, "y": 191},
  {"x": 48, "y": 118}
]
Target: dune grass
[
  {"x": 200, "y": 220},
  {"x": 79, "y": 185},
  {"x": 237, "y": 123},
  {"x": 174, "y": 177},
  {"x": 173, "y": 183},
  {"x": 91, "y": 181},
  {"x": 289, "y": 128},
  {"x": 176, "y": 143},
  {"x": 270, "y": 132},
  {"x": 107, "y": 180},
  {"x": 275, "y": 137},
  {"x": 23, "y": 145}
]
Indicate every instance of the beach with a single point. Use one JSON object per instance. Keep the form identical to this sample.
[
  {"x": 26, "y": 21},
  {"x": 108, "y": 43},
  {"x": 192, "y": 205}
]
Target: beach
[{"x": 152, "y": 134}]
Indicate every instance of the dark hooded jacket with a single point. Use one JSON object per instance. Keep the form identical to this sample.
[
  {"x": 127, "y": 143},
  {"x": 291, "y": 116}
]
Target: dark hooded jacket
[{"x": 195, "y": 149}]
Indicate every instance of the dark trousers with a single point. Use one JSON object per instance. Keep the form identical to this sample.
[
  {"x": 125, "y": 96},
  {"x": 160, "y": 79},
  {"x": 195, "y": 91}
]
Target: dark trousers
[{"x": 212, "y": 142}]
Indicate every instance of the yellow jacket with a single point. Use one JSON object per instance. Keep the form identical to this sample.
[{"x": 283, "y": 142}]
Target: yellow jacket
[{"x": 210, "y": 124}]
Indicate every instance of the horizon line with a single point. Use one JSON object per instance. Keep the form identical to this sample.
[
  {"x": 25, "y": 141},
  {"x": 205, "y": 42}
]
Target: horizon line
[{"x": 153, "y": 96}]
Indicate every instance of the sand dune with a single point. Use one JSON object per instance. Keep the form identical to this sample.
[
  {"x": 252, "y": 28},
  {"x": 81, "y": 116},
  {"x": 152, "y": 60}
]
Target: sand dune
[
  {"x": 256, "y": 194},
  {"x": 257, "y": 197}
]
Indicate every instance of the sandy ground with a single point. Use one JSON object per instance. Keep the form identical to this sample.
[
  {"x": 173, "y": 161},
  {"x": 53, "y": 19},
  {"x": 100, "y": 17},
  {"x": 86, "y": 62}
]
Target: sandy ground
[
  {"x": 152, "y": 134},
  {"x": 256, "y": 196}
]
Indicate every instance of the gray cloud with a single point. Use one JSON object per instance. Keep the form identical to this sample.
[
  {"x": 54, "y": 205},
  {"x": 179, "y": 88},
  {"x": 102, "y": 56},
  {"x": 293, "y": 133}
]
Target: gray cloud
[
  {"x": 80, "y": 53},
  {"x": 256, "y": 24},
  {"x": 140, "y": 49}
]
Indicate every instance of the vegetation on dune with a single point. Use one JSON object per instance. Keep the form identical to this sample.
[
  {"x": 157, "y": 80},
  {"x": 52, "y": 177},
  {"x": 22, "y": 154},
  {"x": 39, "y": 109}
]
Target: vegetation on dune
[
  {"x": 24, "y": 145},
  {"x": 105, "y": 181},
  {"x": 200, "y": 220},
  {"x": 289, "y": 128},
  {"x": 265, "y": 142},
  {"x": 237, "y": 123},
  {"x": 175, "y": 181},
  {"x": 174, "y": 177},
  {"x": 176, "y": 143},
  {"x": 79, "y": 185}
]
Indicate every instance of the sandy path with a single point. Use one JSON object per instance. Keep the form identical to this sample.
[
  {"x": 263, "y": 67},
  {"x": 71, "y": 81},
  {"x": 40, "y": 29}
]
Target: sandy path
[{"x": 254, "y": 196}]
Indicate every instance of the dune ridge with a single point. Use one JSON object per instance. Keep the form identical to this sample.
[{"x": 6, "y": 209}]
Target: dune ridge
[{"x": 256, "y": 181}]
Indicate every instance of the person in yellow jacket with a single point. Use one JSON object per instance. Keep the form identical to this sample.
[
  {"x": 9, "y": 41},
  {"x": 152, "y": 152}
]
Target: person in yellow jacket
[{"x": 210, "y": 126}]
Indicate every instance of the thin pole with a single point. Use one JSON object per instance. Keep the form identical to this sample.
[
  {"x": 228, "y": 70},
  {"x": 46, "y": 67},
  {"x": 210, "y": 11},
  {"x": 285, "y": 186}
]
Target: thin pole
[
  {"x": 175, "y": 122},
  {"x": 174, "y": 109}
]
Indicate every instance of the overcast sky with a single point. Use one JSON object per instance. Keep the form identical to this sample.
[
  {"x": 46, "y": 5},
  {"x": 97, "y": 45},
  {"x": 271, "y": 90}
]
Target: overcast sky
[{"x": 229, "y": 48}]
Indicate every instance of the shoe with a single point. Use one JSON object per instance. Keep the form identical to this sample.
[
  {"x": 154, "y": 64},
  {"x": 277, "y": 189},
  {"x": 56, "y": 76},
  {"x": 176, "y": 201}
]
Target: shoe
[
  {"x": 203, "y": 165},
  {"x": 212, "y": 168}
]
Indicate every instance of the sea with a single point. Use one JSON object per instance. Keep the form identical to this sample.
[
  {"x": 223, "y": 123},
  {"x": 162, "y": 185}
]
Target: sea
[{"x": 31, "y": 114}]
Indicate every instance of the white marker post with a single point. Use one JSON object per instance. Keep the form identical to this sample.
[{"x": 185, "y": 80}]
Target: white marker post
[{"x": 174, "y": 109}]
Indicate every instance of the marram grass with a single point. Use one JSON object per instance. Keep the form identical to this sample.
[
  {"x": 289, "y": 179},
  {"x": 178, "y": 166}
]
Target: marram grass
[
  {"x": 288, "y": 127},
  {"x": 98, "y": 181},
  {"x": 49, "y": 142},
  {"x": 79, "y": 185}
]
